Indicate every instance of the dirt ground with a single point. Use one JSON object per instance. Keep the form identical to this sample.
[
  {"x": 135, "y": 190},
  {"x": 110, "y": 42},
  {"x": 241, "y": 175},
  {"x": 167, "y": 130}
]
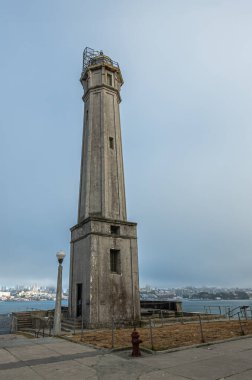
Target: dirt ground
[{"x": 167, "y": 336}]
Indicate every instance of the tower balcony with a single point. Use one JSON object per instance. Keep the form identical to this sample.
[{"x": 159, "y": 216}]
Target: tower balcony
[
  {"x": 98, "y": 71},
  {"x": 93, "y": 57}
]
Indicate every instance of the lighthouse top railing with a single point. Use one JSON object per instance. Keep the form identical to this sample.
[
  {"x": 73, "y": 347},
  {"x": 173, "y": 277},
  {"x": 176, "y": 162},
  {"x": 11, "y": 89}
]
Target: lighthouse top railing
[{"x": 91, "y": 56}]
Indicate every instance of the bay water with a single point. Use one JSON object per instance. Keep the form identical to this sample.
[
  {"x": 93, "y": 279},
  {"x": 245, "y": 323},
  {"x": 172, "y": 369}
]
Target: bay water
[
  {"x": 214, "y": 306},
  {"x": 7, "y": 307},
  {"x": 188, "y": 305}
]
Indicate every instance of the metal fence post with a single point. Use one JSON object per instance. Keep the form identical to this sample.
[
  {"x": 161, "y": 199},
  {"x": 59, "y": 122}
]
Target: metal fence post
[
  {"x": 113, "y": 333},
  {"x": 182, "y": 317},
  {"x": 151, "y": 336},
  {"x": 201, "y": 330},
  {"x": 162, "y": 320},
  {"x": 50, "y": 326},
  {"x": 242, "y": 331},
  {"x": 245, "y": 314},
  {"x": 81, "y": 328},
  {"x": 229, "y": 313}
]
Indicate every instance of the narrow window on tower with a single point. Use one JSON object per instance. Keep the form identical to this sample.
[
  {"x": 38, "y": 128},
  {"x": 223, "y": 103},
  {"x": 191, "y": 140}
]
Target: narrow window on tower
[
  {"x": 111, "y": 143},
  {"x": 109, "y": 79},
  {"x": 115, "y": 261}
]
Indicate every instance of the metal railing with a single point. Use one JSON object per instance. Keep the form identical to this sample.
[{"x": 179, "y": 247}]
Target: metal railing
[
  {"x": 227, "y": 311},
  {"x": 39, "y": 325},
  {"x": 240, "y": 311},
  {"x": 90, "y": 56}
]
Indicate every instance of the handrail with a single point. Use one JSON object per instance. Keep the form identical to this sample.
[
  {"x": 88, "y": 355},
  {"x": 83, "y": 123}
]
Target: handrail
[{"x": 242, "y": 310}]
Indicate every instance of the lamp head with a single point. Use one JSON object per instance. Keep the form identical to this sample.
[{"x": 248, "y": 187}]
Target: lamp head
[{"x": 60, "y": 256}]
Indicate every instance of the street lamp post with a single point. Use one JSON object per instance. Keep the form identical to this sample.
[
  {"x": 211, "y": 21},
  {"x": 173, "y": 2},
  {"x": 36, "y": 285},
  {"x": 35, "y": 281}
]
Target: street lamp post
[{"x": 57, "y": 313}]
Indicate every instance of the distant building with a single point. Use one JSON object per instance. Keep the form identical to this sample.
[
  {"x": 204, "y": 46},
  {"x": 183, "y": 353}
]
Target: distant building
[{"x": 5, "y": 295}]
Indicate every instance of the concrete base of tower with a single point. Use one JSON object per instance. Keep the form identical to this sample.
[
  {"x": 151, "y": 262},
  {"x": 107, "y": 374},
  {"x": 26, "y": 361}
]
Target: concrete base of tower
[{"x": 104, "y": 283}]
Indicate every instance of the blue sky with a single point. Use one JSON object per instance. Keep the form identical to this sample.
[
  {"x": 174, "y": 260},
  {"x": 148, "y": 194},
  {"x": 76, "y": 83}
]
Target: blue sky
[{"x": 186, "y": 127}]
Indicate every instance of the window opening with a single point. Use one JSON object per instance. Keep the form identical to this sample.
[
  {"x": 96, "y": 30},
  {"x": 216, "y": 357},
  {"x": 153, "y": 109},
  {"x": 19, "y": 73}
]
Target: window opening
[
  {"x": 109, "y": 79},
  {"x": 115, "y": 230},
  {"x": 111, "y": 143},
  {"x": 115, "y": 261}
]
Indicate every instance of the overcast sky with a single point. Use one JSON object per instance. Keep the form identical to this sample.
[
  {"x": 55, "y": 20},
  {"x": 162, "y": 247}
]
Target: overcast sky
[{"x": 186, "y": 116}]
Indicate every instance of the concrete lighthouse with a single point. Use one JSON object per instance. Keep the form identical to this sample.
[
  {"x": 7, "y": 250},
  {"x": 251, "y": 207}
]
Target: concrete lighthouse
[{"x": 104, "y": 281}]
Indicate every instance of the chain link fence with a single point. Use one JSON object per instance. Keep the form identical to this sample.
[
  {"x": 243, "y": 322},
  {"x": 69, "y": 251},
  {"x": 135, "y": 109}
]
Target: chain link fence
[
  {"x": 160, "y": 335},
  {"x": 5, "y": 324}
]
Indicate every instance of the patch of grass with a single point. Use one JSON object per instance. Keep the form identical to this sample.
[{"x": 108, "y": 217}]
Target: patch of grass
[{"x": 165, "y": 337}]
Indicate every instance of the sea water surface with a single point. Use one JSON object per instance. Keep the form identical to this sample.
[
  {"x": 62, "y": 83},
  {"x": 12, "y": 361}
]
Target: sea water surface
[
  {"x": 200, "y": 306},
  {"x": 213, "y": 306},
  {"x": 196, "y": 306},
  {"x": 7, "y": 307}
]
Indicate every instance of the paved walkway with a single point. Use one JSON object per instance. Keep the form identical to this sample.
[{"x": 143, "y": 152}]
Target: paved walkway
[{"x": 51, "y": 358}]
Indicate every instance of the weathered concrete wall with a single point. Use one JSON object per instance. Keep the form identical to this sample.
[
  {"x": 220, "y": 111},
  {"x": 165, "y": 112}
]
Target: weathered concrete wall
[
  {"x": 106, "y": 293},
  {"x": 109, "y": 295},
  {"x": 102, "y": 189},
  {"x": 80, "y": 262}
]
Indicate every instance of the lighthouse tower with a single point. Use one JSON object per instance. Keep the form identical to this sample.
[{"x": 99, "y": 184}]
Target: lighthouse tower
[{"x": 104, "y": 260}]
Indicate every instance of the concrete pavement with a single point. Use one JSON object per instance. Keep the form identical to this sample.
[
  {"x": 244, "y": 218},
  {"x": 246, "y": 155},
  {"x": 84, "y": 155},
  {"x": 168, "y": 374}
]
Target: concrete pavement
[{"x": 53, "y": 358}]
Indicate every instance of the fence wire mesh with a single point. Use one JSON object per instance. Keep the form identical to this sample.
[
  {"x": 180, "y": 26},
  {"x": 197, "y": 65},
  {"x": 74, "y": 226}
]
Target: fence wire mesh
[{"x": 157, "y": 336}]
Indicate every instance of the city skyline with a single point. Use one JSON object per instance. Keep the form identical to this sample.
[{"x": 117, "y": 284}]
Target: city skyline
[{"x": 186, "y": 125}]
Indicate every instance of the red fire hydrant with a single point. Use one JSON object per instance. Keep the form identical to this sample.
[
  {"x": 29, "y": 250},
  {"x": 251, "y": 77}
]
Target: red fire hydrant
[{"x": 135, "y": 339}]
